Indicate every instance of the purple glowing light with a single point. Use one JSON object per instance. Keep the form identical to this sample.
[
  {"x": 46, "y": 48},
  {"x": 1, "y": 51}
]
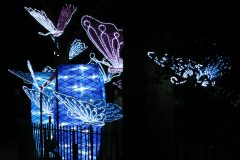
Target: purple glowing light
[{"x": 108, "y": 40}]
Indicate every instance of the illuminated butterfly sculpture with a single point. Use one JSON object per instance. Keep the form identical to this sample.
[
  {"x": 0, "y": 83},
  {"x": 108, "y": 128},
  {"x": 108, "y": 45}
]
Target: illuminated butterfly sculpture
[
  {"x": 185, "y": 70},
  {"x": 76, "y": 48},
  {"x": 94, "y": 112},
  {"x": 108, "y": 39},
  {"x": 63, "y": 20},
  {"x": 80, "y": 87},
  {"x": 42, "y": 83}
]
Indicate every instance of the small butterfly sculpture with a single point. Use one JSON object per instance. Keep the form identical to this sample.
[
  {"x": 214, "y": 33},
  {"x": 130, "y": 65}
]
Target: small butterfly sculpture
[
  {"x": 93, "y": 112},
  {"x": 64, "y": 18},
  {"x": 184, "y": 69},
  {"x": 76, "y": 48},
  {"x": 108, "y": 39}
]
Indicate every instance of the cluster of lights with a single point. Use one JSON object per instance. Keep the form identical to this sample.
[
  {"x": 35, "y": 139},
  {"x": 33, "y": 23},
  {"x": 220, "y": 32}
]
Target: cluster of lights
[
  {"x": 81, "y": 91},
  {"x": 204, "y": 74}
]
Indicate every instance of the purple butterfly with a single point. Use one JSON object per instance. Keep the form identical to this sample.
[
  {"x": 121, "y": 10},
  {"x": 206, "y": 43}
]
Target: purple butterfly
[
  {"x": 64, "y": 18},
  {"x": 108, "y": 39}
]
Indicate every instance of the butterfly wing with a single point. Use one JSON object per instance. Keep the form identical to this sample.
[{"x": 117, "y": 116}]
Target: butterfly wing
[
  {"x": 26, "y": 77},
  {"x": 108, "y": 40},
  {"x": 65, "y": 16},
  {"x": 76, "y": 48},
  {"x": 47, "y": 102},
  {"x": 42, "y": 18},
  {"x": 81, "y": 110}
]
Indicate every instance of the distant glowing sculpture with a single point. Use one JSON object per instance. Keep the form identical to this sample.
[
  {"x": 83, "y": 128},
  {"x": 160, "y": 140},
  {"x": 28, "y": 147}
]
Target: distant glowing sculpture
[
  {"x": 76, "y": 48},
  {"x": 64, "y": 18},
  {"x": 205, "y": 74},
  {"x": 108, "y": 40}
]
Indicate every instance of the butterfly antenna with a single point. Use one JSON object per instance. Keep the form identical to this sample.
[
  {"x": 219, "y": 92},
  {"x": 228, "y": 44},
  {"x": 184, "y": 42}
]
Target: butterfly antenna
[{"x": 32, "y": 74}]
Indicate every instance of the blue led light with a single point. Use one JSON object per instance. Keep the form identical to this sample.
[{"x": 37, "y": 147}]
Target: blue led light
[{"x": 81, "y": 81}]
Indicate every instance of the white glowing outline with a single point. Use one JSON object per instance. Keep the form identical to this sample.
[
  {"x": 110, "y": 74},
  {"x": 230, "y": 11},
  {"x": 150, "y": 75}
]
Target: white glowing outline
[
  {"x": 94, "y": 112},
  {"x": 64, "y": 18},
  {"x": 107, "y": 76},
  {"x": 47, "y": 102},
  {"x": 109, "y": 44}
]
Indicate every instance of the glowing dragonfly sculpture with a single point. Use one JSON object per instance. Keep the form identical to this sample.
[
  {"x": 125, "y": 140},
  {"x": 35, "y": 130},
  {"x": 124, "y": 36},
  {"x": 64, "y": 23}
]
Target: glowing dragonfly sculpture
[
  {"x": 63, "y": 20},
  {"x": 204, "y": 74}
]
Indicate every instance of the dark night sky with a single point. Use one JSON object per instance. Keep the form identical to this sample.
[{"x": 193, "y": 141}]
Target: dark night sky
[{"x": 191, "y": 30}]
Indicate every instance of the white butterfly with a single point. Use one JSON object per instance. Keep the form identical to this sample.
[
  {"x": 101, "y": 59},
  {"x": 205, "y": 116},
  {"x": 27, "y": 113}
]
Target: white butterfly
[{"x": 94, "y": 112}]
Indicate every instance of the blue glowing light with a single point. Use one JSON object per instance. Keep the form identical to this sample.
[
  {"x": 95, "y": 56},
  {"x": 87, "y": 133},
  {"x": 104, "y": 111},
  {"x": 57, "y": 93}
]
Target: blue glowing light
[
  {"x": 76, "y": 48},
  {"x": 48, "y": 104},
  {"x": 82, "y": 102},
  {"x": 86, "y": 140},
  {"x": 48, "y": 101},
  {"x": 81, "y": 81},
  {"x": 204, "y": 74}
]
